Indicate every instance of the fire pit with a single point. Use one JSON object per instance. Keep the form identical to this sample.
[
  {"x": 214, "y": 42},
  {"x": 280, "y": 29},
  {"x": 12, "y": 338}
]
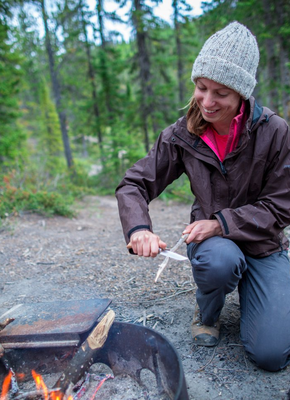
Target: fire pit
[{"x": 128, "y": 350}]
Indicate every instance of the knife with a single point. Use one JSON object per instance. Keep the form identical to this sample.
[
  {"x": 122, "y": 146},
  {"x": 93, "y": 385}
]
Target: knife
[
  {"x": 175, "y": 247},
  {"x": 165, "y": 253},
  {"x": 172, "y": 254}
]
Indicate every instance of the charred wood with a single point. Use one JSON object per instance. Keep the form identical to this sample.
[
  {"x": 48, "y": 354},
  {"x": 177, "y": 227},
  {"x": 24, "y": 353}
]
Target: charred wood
[{"x": 84, "y": 357}]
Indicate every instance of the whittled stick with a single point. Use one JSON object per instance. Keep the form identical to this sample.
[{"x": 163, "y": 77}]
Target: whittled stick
[
  {"x": 165, "y": 262},
  {"x": 84, "y": 357}
]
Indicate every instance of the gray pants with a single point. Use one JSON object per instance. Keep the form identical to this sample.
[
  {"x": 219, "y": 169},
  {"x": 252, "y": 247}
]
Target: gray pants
[{"x": 219, "y": 266}]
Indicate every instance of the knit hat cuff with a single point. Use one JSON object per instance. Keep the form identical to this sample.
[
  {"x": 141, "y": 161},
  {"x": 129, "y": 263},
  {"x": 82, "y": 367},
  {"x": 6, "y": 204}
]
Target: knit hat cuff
[{"x": 224, "y": 72}]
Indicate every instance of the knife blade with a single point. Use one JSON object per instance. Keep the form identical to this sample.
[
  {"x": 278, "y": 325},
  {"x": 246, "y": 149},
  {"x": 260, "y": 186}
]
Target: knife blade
[
  {"x": 172, "y": 254},
  {"x": 166, "y": 253},
  {"x": 165, "y": 262}
]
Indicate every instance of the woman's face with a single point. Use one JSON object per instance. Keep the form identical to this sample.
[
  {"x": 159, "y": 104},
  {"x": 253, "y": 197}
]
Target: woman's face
[{"x": 217, "y": 103}]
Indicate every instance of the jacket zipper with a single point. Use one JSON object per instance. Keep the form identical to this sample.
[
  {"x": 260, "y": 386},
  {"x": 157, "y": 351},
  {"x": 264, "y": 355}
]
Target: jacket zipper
[{"x": 222, "y": 167}]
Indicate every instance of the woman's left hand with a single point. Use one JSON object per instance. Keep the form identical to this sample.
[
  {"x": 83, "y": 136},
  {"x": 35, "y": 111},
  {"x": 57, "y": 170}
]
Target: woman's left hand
[{"x": 201, "y": 230}]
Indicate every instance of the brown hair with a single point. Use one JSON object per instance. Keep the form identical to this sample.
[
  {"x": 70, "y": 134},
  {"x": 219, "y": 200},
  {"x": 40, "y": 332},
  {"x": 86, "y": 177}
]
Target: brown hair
[{"x": 195, "y": 122}]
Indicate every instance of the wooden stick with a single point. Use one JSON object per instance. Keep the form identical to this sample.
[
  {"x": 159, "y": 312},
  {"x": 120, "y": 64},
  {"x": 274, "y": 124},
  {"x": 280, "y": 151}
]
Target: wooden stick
[
  {"x": 84, "y": 357},
  {"x": 165, "y": 262},
  {"x": 34, "y": 394}
]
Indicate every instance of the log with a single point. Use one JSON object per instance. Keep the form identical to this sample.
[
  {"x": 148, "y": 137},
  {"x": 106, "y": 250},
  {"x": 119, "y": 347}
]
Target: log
[{"x": 84, "y": 357}]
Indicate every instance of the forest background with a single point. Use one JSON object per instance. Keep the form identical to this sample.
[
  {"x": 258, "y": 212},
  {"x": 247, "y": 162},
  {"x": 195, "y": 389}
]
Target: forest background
[{"x": 79, "y": 103}]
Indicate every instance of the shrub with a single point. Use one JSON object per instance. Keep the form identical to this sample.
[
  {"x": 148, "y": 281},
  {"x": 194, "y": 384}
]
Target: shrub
[
  {"x": 18, "y": 194},
  {"x": 15, "y": 201}
]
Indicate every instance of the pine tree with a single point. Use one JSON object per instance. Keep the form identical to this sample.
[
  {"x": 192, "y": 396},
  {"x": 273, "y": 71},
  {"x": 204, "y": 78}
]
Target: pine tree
[
  {"x": 12, "y": 138},
  {"x": 50, "y": 135},
  {"x": 57, "y": 90}
]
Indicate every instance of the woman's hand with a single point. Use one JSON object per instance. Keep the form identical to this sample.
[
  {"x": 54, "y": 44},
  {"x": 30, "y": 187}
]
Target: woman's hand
[
  {"x": 201, "y": 230},
  {"x": 146, "y": 244}
]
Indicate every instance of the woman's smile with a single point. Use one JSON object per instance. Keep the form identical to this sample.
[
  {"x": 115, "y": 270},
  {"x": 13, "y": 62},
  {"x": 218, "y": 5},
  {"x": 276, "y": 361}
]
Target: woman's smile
[{"x": 209, "y": 111}]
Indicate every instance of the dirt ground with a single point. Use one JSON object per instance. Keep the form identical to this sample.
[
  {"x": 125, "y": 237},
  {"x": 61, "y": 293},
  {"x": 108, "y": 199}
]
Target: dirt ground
[{"x": 49, "y": 259}]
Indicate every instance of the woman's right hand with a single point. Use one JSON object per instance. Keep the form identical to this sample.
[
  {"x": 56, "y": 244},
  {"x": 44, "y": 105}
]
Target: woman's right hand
[{"x": 146, "y": 244}]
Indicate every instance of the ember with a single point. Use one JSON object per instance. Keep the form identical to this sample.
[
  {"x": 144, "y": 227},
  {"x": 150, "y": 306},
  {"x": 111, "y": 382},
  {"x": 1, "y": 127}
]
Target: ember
[{"x": 108, "y": 376}]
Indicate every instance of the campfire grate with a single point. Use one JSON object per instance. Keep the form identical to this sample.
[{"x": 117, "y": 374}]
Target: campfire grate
[
  {"x": 131, "y": 348},
  {"x": 128, "y": 350},
  {"x": 50, "y": 324}
]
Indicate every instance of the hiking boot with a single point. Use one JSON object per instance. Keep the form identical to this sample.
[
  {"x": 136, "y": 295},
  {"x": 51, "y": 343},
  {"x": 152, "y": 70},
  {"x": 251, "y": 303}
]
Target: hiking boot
[{"x": 204, "y": 335}]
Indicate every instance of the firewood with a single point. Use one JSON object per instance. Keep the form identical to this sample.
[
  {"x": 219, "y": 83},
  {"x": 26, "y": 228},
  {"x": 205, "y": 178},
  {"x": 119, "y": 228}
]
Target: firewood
[{"x": 84, "y": 357}]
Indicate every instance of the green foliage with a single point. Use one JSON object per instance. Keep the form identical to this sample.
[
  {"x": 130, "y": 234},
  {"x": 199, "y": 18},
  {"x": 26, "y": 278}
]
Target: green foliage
[
  {"x": 178, "y": 191},
  {"x": 101, "y": 90},
  {"x": 14, "y": 200},
  {"x": 34, "y": 189},
  {"x": 11, "y": 137},
  {"x": 49, "y": 135},
  {"x": 122, "y": 149}
]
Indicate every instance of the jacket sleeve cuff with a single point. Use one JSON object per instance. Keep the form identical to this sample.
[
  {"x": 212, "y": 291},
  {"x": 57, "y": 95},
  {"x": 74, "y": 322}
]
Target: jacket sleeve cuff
[{"x": 223, "y": 223}]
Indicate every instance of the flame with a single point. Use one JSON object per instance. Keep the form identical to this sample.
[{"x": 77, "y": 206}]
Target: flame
[
  {"x": 5, "y": 386},
  {"x": 40, "y": 386}
]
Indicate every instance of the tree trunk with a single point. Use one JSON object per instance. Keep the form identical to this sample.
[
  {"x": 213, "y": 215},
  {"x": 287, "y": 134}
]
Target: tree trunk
[
  {"x": 272, "y": 59},
  {"x": 57, "y": 91},
  {"x": 103, "y": 59},
  {"x": 181, "y": 89},
  {"x": 91, "y": 74},
  {"x": 282, "y": 11},
  {"x": 285, "y": 82},
  {"x": 144, "y": 67}
]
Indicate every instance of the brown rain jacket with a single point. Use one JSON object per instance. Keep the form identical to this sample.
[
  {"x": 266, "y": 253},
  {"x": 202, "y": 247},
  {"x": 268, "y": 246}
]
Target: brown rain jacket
[{"x": 249, "y": 193}]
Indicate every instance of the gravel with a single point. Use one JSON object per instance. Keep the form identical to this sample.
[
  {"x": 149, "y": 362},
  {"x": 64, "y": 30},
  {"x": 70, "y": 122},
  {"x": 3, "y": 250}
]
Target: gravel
[{"x": 51, "y": 259}]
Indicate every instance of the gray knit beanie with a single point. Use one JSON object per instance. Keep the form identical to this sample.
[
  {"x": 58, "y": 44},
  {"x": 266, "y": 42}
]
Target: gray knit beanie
[{"x": 229, "y": 57}]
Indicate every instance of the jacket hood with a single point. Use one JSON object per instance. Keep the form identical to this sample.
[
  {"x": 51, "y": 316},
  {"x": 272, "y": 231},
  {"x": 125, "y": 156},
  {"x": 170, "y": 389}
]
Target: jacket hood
[{"x": 258, "y": 114}]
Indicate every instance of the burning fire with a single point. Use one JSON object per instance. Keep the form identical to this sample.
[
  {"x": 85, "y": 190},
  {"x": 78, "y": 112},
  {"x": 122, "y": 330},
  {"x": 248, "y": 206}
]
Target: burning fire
[
  {"x": 40, "y": 386},
  {"x": 5, "y": 386}
]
